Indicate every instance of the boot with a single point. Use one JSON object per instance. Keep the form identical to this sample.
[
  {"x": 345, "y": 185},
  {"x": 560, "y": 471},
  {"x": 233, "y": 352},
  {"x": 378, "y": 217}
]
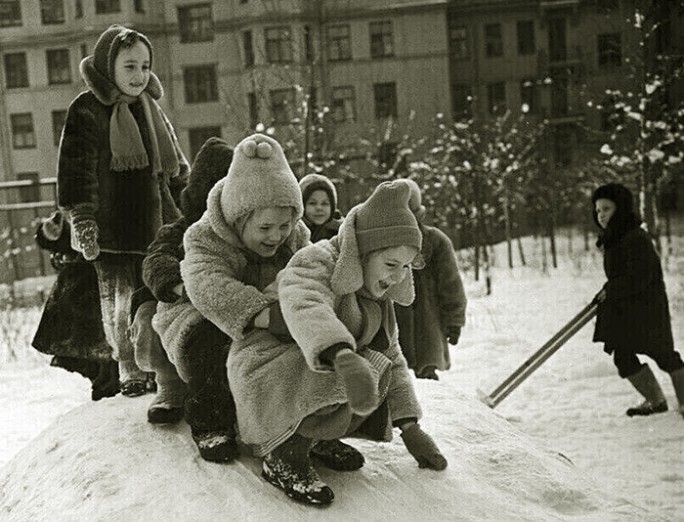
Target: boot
[
  {"x": 645, "y": 383},
  {"x": 288, "y": 467},
  {"x": 167, "y": 406},
  {"x": 337, "y": 455},
  {"x": 677, "y": 377},
  {"x": 216, "y": 446}
]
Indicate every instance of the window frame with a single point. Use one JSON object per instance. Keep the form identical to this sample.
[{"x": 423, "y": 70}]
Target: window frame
[
  {"x": 278, "y": 42},
  {"x": 196, "y": 23},
  {"x": 492, "y": 107},
  {"x": 60, "y": 78},
  {"x": 54, "y": 7},
  {"x": 193, "y": 78},
  {"x": 381, "y": 40},
  {"x": 286, "y": 115},
  {"x": 392, "y": 105},
  {"x": 605, "y": 55},
  {"x": 249, "y": 58},
  {"x": 340, "y": 43},
  {"x": 526, "y": 46},
  {"x": 494, "y": 47},
  {"x": 10, "y": 75},
  {"x": 14, "y": 8},
  {"x": 339, "y": 104},
  {"x": 27, "y": 128},
  {"x": 105, "y": 7},
  {"x": 459, "y": 43}
]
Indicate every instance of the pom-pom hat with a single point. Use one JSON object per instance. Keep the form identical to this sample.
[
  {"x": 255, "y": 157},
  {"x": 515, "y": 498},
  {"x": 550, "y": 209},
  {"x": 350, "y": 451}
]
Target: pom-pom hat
[{"x": 259, "y": 177}]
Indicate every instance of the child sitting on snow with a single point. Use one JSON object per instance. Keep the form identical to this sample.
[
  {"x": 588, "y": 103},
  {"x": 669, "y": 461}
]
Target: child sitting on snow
[{"x": 320, "y": 207}]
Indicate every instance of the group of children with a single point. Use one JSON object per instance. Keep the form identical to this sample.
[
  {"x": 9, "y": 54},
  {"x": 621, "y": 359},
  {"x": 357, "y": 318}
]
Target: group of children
[{"x": 259, "y": 310}]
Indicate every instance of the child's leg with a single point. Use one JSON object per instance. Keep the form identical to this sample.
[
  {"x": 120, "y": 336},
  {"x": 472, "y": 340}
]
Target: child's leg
[
  {"x": 167, "y": 406},
  {"x": 643, "y": 380},
  {"x": 117, "y": 279},
  {"x": 671, "y": 362}
]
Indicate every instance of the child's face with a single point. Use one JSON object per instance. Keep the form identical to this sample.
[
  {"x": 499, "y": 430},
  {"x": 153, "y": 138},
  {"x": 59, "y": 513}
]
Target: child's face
[
  {"x": 605, "y": 209},
  {"x": 385, "y": 268},
  {"x": 132, "y": 69},
  {"x": 267, "y": 229},
  {"x": 318, "y": 208}
]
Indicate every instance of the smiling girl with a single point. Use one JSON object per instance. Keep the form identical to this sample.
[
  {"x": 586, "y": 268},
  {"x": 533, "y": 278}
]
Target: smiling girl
[{"x": 119, "y": 177}]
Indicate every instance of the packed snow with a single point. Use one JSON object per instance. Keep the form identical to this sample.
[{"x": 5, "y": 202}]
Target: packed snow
[{"x": 558, "y": 448}]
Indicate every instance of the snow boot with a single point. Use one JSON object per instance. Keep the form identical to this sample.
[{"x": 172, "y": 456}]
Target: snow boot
[
  {"x": 337, "y": 455},
  {"x": 677, "y": 377},
  {"x": 216, "y": 446},
  {"x": 646, "y": 384},
  {"x": 167, "y": 406},
  {"x": 288, "y": 467}
]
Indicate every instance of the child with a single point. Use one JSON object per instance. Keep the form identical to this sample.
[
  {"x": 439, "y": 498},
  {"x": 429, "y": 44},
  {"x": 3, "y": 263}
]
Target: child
[
  {"x": 348, "y": 374},
  {"x": 70, "y": 328},
  {"x": 119, "y": 175},
  {"x": 320, "y": 207},
  {"x": 633, "y": 314},
  {"x": 196, "y": 348},
  {"x": 233, "y": 253},
  {"x": 436, "y": 316}
]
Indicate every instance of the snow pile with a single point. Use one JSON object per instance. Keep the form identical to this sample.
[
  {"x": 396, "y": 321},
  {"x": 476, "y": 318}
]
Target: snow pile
[{"x": 102, "y": 461}]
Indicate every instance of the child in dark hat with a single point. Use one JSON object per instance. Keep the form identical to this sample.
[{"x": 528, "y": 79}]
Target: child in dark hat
[
  {"x": 633, "y": 314},
  {"x": 120, "y": 173},
  {"x": 320, "y": 207}
]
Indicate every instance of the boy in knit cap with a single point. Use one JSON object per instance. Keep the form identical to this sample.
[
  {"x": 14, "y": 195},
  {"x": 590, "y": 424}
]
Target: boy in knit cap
[
  {"x": 119, "y": 177},
  {"x": 250, "y": 230},
  {"x": 346, "y": 373},
  {"x": 434, "y": 320},
  {"x": 320, "y": 207}
]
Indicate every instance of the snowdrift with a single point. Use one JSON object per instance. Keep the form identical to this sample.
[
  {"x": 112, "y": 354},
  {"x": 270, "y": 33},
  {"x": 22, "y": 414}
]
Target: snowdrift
[{"x": 103, "y": 461}]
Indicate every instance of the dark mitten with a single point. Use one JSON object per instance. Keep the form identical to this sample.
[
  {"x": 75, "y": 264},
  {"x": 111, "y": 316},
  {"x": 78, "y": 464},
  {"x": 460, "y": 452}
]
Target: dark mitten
[
  {"x": 360, "y": 381},
  {"x": 423, "y": 448},
  {"x": 84, "y": 238},
  {"x": 453, "y": 334}
]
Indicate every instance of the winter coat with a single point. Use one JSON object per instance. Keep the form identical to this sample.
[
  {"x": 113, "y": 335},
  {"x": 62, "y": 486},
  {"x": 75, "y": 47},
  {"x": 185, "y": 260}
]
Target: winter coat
[
  {"x": 130, "y": 206},
  {"x": 635, "y": 315},
  {"x": 440, "y": 304}
]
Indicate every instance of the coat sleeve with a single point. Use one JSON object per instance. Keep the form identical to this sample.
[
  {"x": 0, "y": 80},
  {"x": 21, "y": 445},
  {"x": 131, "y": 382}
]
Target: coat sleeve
[
  {"x": 450, "y": 293},
  {"x": 308, "y": 304},
  {"x": 210, "y": 272},
  {"x": 161, "y": 267},
  {"x": 77, "y": 166},
  {"x": 636, "y": 272}
]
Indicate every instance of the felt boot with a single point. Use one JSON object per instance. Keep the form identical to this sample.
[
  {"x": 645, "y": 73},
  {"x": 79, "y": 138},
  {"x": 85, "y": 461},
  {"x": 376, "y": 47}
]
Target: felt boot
[
  {"x": 337, "y": 455},
  {"x": 216, "y": 446},
  {"x": 167, "y": 405},
  {"x": 646, "y": 384},
  {"x": 677, "y": 377},
  {"x": 288, "y": 467}
]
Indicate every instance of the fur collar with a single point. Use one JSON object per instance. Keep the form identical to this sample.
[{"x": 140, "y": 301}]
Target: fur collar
[{"x": 105, "y": 90}]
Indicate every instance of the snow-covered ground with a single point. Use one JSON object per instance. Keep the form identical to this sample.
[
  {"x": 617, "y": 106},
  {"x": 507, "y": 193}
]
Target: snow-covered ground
[{"x": 503, "y": 465}]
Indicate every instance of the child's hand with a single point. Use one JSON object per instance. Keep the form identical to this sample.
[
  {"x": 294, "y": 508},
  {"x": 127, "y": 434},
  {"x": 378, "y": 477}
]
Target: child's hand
[
  {"x": 84, "y": 238},
  {"x": 423, "y": 448},
  {"x": 453, "y": 334},
  {"x": 360, "y": 381},
  {"x": 600, "y": 297}
]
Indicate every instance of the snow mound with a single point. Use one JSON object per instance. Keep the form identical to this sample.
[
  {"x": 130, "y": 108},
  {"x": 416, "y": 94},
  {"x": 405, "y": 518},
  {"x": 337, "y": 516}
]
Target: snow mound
[{"x": 103, "y": 461}]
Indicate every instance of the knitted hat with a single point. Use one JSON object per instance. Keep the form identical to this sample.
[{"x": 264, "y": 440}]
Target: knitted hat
[
  {"x": 259, "y": 177},
  {"x": 210, "y": 165},
  {"x": 312, "y": 182},
  {"x": 416, "y": 199},
  {"x": 385, "y": 220}
]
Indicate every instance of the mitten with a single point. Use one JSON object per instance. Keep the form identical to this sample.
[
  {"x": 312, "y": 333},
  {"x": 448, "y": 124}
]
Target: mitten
[
  {"x": 423, "y": 448},
  {"x": 453, "y": 334},
  {"x": 360, "y": 381},
  {"x": 84, "y": 238}
]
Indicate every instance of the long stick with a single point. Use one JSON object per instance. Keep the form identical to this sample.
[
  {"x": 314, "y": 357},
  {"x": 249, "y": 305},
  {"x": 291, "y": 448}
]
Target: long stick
[{"x": 541, "y": 355}]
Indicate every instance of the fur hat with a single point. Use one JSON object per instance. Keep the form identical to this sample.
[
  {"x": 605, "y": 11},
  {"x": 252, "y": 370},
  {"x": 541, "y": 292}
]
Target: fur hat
[
  {"x": 312, "y": 182},
  {"x": 385, "y": 220},
  {"x": 210, "y": 165},
  {"x": 259, "y": 177}
]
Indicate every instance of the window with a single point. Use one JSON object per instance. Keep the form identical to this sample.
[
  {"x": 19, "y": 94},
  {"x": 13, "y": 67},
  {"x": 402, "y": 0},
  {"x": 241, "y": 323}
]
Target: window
[
  {"x": 282, "y": 105},
  {"x": 16, "y": 71},
  {"x": 58, "y": 119},
  {"x": 195, "y": 23},
  {"x": 343, "y": 104},
  {"x": 381, "y": 42},
  {"x": 308, "y": 44},
  {"x": 253, "y": 109},
  {"x": 59, "y": 68},
  {"x": 248, "y": 48},
  {"x": 200, "y": 84},
  {"x": 10, "y": 13},
  {"x": 198, "y": 135},
  {"x": 78, "y": 9},
  {"x": 84, "y": 50},
  {"x": 278, "y": 45},
  {"x": 462, "y": 101},
  {"x": 609, "y": 50},
  {"x": 493, "y": 40},
  {"x": 52, "y": 11},
  {"x": 526, "y": 43},
  {"x": 339, "y": 45},
  {"x": 458, "y": 42},
  {"x": 528, "y": 97},
  {"x": 496, "y": 97},
  {"x": 385, "y": 95},
  {"x": 107, "y": 6},
  {"x": 29, "y": 193},
  {"x": 139, "y": 6},
  {"x": 23, "y": 135}
]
